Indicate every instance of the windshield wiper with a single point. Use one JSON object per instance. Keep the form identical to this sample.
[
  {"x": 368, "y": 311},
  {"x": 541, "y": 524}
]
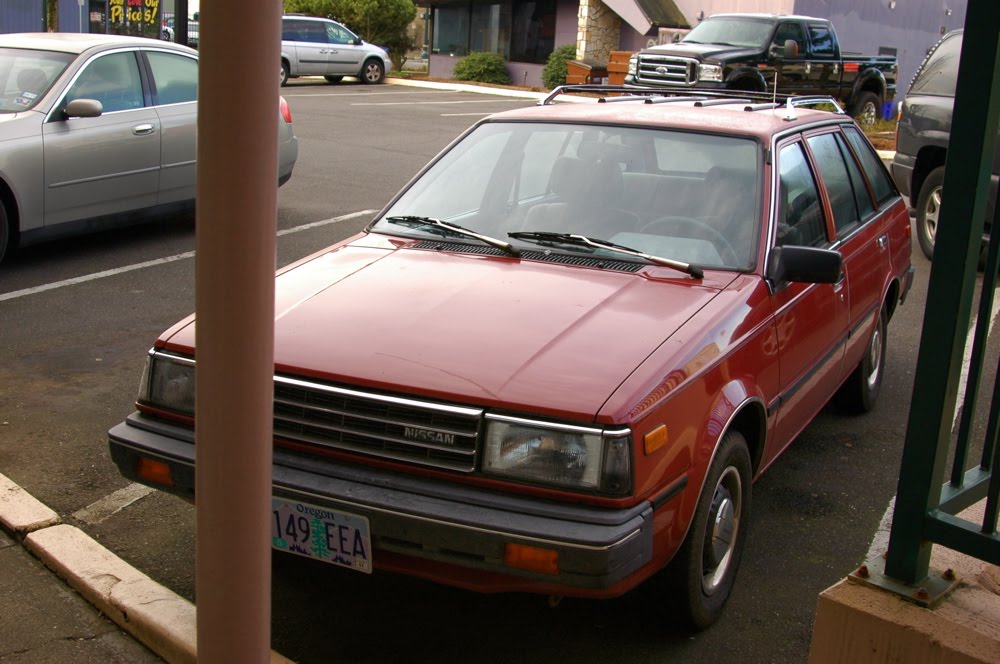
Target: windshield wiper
[
  {"x": 447, "y": 228},
  {"x": 546, "y": 237}
]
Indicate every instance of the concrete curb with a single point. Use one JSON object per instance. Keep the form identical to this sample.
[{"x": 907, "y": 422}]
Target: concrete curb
[{"x": 154, "y": 615}]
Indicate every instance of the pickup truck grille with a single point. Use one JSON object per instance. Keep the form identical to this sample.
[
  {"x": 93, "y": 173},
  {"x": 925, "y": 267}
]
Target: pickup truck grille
[
  {"x": 423, "y": 432},
  {"x": 667, "y": 69}
]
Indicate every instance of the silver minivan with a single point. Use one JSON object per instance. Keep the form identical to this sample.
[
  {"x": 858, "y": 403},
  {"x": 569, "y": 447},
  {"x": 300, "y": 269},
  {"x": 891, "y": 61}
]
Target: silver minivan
[{"x": 320, "y": 47}]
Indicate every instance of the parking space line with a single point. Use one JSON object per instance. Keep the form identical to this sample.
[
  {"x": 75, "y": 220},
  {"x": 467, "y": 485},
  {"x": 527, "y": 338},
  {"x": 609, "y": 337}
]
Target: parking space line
[
  {"x": 112, "y": 503},
  {"x": 453, "y": 101},
  {"x": 458, "y": 115},
  {"x": 162, "y": 261}
]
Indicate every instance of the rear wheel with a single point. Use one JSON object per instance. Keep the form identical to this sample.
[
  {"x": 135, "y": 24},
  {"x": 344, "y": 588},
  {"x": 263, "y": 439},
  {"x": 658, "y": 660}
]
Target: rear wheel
[
  {"x": 860, "y": 391},
  {"x": 284, "y": 73},
  {"x": 865, "y": 109},
  {"x": 372, "y": 72},
  {"x": 929, "y": 210},
  {"x": 702, "y": 574},
  {"x": 5, "y": 233}
]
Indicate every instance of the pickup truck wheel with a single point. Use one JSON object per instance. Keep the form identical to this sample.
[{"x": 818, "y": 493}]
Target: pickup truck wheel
[
  {"x": 702, "y": 574},
  {"x": 372, "y": 72},
  {"x": 284, "y": 73},
  {"x": 928, "y": 210},
  {"x": 865, "y": 109},
  {"x": 860, "y": 391}
]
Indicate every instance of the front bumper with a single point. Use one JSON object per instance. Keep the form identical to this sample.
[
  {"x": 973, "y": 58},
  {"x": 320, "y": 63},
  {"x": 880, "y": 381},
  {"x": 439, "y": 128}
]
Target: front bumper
[{"x": 445, "y": 532}]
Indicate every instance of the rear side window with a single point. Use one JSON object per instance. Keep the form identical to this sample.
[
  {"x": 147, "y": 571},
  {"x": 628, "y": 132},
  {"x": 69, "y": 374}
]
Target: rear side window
[
  {"x": 940, "y": 70},
  {"x": 821, "y": 37},
  {"x": 882, "y": 186},
  {"x": 175, "y": 76},
  {"x": 838, "y": 183}
]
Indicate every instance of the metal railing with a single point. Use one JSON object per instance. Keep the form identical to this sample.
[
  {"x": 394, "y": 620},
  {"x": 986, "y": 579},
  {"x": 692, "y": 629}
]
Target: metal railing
[{"x": 926, "y": 511}]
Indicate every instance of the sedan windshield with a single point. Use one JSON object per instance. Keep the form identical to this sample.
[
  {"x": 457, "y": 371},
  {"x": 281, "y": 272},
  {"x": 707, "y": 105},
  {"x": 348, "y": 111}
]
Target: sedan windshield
[
  {"x": 26, "y": 75},
  {"x": 686, "y": 197},
  {"x": 743, "y": 32}
]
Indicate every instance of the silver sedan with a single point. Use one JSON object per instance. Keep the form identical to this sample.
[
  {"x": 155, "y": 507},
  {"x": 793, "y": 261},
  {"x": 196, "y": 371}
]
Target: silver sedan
[{"x": 96, "y": 128}]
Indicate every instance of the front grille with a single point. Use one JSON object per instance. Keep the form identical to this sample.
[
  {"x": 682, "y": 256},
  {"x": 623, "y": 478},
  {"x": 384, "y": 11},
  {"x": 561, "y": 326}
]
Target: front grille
[
  {"x": 423, "y": 432},
  {"x": 667, "y": 69}
]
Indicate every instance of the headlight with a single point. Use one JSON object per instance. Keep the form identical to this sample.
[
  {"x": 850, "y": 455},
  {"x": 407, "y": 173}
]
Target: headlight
[
  {"x": 710, "y": 73},
  {"x": 168, "y": 383},
  {"x": 633, "y": 65},
  {"x": 557, "y": 455}
]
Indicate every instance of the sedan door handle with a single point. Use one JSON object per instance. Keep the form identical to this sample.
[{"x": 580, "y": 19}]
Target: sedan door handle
[
  {"x": 143, "y": 129},
  {"x": 882, "y": 241}
]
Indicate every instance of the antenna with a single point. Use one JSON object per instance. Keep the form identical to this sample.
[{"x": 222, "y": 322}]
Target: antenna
[
  {"x": 774, "y": 91},
  {"x": 789, "y": 110}
]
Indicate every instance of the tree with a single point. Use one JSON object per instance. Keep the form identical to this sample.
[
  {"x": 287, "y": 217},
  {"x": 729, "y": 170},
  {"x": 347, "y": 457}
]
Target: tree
[
  {"x": 382, "y": 22},
  {"x": 52, "y": 15}
]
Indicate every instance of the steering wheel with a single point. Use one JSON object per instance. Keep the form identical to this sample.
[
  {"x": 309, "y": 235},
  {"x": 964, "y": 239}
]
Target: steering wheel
[{"x": 697, "y": 229}]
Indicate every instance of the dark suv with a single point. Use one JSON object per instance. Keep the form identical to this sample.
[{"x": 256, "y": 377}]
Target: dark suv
[{"x": 922, "y": 139}]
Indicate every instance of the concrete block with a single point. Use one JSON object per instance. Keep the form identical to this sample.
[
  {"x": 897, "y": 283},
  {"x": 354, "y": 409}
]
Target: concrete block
[{"x": 20, "y": 512}]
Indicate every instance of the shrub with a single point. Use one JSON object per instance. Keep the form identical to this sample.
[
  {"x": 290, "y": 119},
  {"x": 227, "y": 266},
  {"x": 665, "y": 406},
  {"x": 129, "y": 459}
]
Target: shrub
[
  {"x": 482, "y": 67},
  {"x": 554, "y": 72}
]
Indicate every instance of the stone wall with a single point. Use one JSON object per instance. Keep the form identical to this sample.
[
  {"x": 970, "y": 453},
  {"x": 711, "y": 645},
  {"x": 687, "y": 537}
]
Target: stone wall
[{"x": 599, "y": 32}]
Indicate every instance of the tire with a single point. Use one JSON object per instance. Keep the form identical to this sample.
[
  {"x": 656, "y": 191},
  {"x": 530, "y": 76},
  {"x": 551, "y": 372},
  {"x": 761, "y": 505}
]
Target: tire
[
  {"x": 929, "y": 210},
  {"x": 860, "y": 391},
  {"x": 333, "y": 79},
  {"x": 372, "y": 72},
  {"x": 285, "y": 73},
  {"x": 865, "y": 109},
  {"x": 702, "y": 574},
  {"x": 5, "y": 234}
]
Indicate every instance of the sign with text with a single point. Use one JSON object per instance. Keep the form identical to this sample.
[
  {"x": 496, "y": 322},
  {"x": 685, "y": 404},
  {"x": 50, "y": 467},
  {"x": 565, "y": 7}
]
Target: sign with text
[{"x": 139, "y": 18}]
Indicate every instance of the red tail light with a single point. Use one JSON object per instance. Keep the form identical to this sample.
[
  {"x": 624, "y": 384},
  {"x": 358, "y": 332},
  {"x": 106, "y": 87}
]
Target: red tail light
[{"x": 286, "y": 112}]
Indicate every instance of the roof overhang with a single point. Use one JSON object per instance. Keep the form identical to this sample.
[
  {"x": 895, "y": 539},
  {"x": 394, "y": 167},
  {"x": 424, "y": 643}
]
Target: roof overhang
[{"x": 645, "y": 15}]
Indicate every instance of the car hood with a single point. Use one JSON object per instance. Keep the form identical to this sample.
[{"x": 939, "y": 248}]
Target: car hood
[
  {"x": 532, "y": 336},
  {"x": 703, "y": 51}
]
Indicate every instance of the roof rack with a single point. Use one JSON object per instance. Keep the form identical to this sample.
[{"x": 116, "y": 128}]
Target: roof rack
[{"x": 753, "y": 101}]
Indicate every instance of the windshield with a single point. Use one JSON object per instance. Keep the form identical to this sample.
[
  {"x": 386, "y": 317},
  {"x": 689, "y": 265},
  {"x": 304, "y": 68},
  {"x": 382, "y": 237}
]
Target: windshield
[
  {"x": 749, "y": 33},
  {"x": 682, "y": 196},
  {"x": 25, "y": 75}
]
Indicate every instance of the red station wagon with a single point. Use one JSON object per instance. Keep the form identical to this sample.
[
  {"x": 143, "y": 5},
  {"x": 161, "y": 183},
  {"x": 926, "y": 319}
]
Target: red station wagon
[{"x": 558, "y": 359}]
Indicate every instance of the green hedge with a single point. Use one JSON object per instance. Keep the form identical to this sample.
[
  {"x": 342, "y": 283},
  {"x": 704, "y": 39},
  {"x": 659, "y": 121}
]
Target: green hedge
[
  {"x": 482, "y": 67},
  {"x": 554, "y": 72}
]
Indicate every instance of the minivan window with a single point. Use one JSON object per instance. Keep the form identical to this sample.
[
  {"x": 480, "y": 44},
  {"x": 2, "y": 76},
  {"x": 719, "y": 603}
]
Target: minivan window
[{"x": 940, "y": 71}]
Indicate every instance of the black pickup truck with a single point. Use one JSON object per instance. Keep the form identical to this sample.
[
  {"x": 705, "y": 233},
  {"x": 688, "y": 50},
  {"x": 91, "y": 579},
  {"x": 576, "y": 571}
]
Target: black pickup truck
[{"x": 747, "y": 52}]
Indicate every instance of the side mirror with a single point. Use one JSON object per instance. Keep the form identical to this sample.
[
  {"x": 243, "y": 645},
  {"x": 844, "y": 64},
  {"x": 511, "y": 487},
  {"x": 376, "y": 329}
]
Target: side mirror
[
  {"x": 83, "y": 108},
  {"x": 791, "y": 49},
  {"x": 807, "y": 265}
]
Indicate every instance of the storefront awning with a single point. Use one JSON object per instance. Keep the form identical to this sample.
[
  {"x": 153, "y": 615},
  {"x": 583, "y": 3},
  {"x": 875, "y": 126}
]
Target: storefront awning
[{"x": 644, "y": 15}]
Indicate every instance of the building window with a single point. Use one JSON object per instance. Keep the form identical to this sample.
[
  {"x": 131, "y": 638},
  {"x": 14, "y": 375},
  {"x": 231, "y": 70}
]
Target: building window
[{"x": 519, "y": 31}]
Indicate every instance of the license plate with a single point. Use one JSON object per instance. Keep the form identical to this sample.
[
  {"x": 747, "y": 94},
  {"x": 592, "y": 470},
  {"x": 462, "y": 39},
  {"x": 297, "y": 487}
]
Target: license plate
[{"x": 321, "y": 533}]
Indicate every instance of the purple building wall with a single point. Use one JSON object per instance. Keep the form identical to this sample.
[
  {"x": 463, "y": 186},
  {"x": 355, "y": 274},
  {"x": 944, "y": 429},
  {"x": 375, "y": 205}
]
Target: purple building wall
[{"x": 911, "y": 27}]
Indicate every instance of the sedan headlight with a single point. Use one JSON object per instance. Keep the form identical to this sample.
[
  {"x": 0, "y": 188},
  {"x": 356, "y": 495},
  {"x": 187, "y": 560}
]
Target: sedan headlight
[
  {"x": 633, "y": 65},
  {"x": 710, "y": 73},
  {"x": 168, "y": 383},
  {"x": 563, "y": 456}
]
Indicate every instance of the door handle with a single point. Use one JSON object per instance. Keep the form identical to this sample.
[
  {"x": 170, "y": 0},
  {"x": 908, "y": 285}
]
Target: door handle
[
  {"x": 143, "y": 129},
  {"x": 809, "y": 67},
  {"x": 882, "y": 241}
]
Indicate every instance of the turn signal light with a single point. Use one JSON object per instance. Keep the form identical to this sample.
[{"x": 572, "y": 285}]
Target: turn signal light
[
  {"x": 155, "y": 471},
  {"x": 655, "y": 439},
  {"x": 531, "y": 558}
]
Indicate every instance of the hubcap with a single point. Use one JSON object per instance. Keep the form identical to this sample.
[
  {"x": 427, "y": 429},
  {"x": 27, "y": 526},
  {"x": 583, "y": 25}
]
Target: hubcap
[
  {"x": 875, "y": 357},
  {"x": 722, "y": 530},
  {"x": 931, "y": 212},
  {"x": 372, "y": 72},
  {"x": 868, "y": 114}
]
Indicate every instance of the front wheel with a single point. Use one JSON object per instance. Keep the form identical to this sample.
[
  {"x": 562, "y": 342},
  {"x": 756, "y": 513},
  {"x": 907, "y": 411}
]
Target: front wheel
[
  {"x": 929, "y": 210},
  {"x": 372, "y": 72},
  {"x": 703, "y": 572},
  {"x": 865, "y": 109},
  {"x": 860, "y": 391},
  {"x": 5, "y": 233}
]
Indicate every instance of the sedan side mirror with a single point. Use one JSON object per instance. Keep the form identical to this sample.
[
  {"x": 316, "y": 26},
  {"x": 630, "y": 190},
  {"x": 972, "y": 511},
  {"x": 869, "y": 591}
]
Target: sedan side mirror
[
  {"x": 807, "y": 265},
  {"x": 84, "y": 108}
]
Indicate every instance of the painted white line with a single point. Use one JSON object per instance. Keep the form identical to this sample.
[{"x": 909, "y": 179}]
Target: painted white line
[
  {"x": 112, "y": 503},
  {"x": 458, "y": 115},
  {"x": 367, "y": 94},
  {"x": 162, "y": 261},
  {"x": 424, "y": 103}
]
